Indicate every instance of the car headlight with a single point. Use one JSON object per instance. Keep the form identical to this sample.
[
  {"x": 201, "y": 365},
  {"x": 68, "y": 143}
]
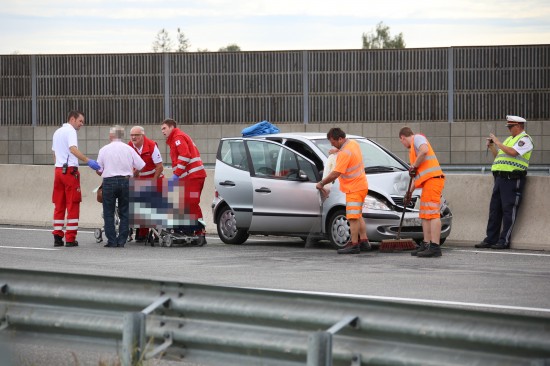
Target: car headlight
[{"x": 372, "y": 203}]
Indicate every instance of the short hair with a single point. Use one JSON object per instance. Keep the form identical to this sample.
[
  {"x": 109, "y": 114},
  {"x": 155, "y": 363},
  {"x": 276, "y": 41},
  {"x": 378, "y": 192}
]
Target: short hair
[
  {"x": 406, "y": 131},
  {"x": 117, "y": 131},
  {"x": 169, "y": 122},
  {"x": 141, "y": 129},
  {"x": 335, "y": 133},
  {"x": 74, "y": 114}
]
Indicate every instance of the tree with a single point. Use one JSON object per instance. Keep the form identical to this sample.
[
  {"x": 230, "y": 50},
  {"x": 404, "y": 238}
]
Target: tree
[
  {"x": 183, "y": 43},
  {"x": 233, "y": 47},
  {"x": 380, "y": 38},
  {"x": 162, "y": 42}
]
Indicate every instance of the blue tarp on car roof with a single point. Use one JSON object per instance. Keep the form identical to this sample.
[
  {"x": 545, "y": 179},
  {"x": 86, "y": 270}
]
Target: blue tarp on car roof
[{"x": 260, "y": 128}]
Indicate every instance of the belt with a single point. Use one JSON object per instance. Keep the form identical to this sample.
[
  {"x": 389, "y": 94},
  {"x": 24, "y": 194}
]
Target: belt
[
  {"x": 70, "y": 167},
  {"x": 517, "y": 174},
  {"x": 119, "y": 177}
]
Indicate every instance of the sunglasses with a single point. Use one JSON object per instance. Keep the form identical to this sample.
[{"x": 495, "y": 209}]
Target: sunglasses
[{"x": 510, "y": 126}]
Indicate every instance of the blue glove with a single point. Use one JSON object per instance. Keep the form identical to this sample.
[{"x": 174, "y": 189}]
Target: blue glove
[
  {"x": 173, "y": 182},
  {"x": 93, "y": 164}
]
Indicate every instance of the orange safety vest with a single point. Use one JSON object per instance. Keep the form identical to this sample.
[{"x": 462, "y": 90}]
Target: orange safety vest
[
  {"x": 429, "y": 167},
  {"x": 349, "y": 162}
]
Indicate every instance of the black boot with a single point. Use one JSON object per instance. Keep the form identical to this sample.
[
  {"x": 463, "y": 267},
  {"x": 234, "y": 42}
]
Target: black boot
[
  {"x": 421, "y": 247},
  {"x": 58, "y": 241},
  {"x": 350, "y": 248},
  {"x": 433, "y": 250}
]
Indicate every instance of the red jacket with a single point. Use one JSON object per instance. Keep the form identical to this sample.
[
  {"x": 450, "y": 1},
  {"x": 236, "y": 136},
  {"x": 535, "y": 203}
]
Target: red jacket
[
  {"x": 186, "y": 158},
  {"x": 146, "y": 154}
]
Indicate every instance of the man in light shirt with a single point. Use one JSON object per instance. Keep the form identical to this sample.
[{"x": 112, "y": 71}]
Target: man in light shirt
[{"x": 118, "y": 161}]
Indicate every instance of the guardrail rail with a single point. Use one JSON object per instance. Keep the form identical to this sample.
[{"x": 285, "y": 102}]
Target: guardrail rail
[{"x": 240, "y": 326}]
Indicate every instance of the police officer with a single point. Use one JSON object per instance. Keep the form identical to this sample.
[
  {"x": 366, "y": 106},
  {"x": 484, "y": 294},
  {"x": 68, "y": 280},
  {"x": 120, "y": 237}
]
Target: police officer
[{"x": 509, "y": 171}]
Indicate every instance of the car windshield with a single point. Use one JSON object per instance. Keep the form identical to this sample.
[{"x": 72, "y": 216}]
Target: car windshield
[{"x": 373, "y": 156}]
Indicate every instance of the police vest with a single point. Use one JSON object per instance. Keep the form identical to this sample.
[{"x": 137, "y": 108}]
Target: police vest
[
  {"x": 508, "y": 163},
  {"x": 429, "y": 168}
]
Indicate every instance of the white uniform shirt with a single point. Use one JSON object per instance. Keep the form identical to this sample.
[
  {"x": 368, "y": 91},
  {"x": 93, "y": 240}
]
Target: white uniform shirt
[
  {"x": 118, "y": 158},
  {"x": 156, "y": 156},
  {"x": 63, "y": 138},
  {"x": 523, "y": 145}
]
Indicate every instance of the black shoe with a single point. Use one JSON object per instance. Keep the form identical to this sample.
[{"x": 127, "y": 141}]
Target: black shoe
[
  {"x": 483, "y": 245},
  {"x": 350, "y": 248},
  {"x": 433, "y": 250},
  {"x": 58, "y": 241},
  {"x": 71, "y": 244},
  {"x": 365, "y": 246},
  {"x": 420, "y": 248},
  {"x": 109, "y": 246},
  {"x": 201, "y": 241},
  {"x": 500, "y": 246}
]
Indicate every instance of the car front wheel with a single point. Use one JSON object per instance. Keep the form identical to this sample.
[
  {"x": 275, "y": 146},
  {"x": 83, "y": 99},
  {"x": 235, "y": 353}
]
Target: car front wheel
[
  {"x": 338, "y": 229},
  {"x": 227, "y": 227}
]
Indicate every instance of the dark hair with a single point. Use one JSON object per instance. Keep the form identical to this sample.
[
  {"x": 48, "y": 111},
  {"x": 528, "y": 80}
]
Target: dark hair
[
  {"x": 335, "y": 133},
  {"x": 406, "y": 131},
  {"x": 74, "y": 114},
  {"x": 169, "y": 122}
]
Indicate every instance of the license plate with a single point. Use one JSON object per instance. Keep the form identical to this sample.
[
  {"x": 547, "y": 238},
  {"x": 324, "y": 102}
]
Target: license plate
[{"x": 412, "y": 222}]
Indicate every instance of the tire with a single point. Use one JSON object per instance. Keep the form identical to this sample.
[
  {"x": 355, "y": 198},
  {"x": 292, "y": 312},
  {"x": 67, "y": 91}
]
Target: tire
[
  {"x": 338, "y": 229},
  {"x": 226, "y": 225}
]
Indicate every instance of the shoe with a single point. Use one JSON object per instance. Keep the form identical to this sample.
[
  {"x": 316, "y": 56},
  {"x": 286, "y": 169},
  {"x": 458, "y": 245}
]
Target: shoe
[
  {"x": 433, "y": 250},
  {"x": 109, "y": 246},
  {"x": 141, "y": 239},
  {"x": 500, "y": 246},
  {"x": 420, "y": 248},
  {"x": 483, "y": 245},
  {"x": 120, "y": 246},
  {"x": 58, "y": 241},
  {"x": 365, "y": 246},
  {"x": 350, "y": 248},
  {"x": 71, "y": 244},
  {"x": 201, "y": 241}
]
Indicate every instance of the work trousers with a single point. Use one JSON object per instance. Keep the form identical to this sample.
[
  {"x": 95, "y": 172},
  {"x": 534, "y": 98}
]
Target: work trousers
[
  {"x": 116, "y": 189},
  {"x": 192, "y": 199},
  {"x": 503, "y": 209},
  {"x": 66, "y": 198}
]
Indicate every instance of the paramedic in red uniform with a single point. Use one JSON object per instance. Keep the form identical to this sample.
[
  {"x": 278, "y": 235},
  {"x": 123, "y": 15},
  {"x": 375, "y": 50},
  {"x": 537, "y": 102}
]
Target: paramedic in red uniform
[
  {"x": 66, "y": 185},
  {"x": 187, "y": 166},
  {"x": 148, "y": 150}
]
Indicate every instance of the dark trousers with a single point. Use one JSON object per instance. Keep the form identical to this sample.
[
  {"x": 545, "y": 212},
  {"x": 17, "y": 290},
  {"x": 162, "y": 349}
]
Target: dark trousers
[
  {"x": 116, "y": 189},
  {"x": 503, "y": 209}
]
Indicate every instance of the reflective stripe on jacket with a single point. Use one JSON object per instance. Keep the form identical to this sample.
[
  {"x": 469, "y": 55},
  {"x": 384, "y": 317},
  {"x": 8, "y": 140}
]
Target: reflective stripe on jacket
[
  {"x": 352, "y": 178},
  {"x": 429, "y": 168},
  {"x": 508, "y": 163}
]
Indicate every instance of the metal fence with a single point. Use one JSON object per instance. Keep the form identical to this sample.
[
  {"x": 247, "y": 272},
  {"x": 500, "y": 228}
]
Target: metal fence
[
  {"x": 333, "y": 86},
  {"x": 236, "y": 326}
]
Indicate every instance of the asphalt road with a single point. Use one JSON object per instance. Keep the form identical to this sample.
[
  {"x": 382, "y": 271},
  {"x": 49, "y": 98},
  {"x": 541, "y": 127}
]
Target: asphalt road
[{"x": 517, "y": 281}]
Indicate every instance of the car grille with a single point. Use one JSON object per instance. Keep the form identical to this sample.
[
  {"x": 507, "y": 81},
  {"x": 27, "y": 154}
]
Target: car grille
[{"x": 399, "y": 202}]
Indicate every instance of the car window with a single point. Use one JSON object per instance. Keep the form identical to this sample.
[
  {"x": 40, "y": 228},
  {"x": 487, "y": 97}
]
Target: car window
[
  {"x": 373, "y": 155},
  {"x": 232, "y": 152},
  {"x": 274, "y": 161}
]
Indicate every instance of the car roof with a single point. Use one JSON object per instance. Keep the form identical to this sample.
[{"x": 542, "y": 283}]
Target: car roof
[{"x": 303, "y": 135}]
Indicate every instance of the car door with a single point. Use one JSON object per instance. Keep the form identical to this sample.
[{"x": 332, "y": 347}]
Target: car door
[
  {"x": 232, "y": 179},
  {"x": 283, "y": 202}
]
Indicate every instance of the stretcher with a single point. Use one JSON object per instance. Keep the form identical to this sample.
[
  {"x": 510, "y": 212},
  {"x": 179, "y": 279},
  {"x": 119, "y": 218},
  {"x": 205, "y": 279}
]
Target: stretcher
[{"x": 156, "y": 205}]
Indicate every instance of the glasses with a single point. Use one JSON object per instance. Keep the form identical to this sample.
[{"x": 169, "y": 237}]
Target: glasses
[
  {"x": 135, "y": 134},
  {"x": 510, "y": 126}
]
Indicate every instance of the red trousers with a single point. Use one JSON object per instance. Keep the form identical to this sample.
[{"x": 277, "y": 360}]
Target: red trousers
[
  {"x": 66, "y": 197},
  {"x": 192, "y": 198}
]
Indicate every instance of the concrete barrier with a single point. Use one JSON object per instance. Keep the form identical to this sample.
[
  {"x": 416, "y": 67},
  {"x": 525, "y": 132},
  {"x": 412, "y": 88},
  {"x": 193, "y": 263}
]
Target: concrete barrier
[{"x": 26, "y": 192}]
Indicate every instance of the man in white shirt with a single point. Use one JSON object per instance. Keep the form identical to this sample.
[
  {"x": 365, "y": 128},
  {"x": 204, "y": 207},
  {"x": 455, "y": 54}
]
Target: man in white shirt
[
  {"x": 66, "y": 186},
  {"x": 118, "y": 161}
]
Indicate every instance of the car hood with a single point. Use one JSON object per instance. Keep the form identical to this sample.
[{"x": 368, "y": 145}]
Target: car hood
[{"x": 389, "y": 184}]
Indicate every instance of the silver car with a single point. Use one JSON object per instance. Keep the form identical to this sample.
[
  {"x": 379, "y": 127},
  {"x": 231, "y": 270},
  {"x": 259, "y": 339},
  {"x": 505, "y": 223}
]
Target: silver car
[{"x": 266, "y": 185}]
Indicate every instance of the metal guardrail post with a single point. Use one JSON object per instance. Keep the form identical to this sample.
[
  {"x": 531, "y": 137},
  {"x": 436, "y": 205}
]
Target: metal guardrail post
[
  {"x": 133, "y": 338},
  {"x": 319, "y": 351}
]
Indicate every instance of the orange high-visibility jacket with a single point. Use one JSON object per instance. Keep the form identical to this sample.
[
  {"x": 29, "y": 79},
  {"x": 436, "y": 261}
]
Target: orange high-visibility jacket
[
  {"x": 429, "y": 167},
  {"x": 349, "y": 163}
]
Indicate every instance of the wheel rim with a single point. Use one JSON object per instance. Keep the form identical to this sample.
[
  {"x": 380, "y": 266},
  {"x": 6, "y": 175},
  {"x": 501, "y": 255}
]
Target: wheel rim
[
  {"x": 228, "y": 224},
  {"x": 340, "y": 231}
]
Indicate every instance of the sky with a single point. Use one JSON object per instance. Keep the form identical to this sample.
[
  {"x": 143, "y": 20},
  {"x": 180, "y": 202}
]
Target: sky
[{"x": 130, "y": 26}]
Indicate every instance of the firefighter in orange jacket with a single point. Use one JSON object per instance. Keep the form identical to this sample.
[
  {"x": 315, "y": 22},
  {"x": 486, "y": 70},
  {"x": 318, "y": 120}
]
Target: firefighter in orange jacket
[
  {"x": 148, "y": 150},
  {"x": 428, "y": 175},
  {"x": 350, "y": 172},
  {"x": 187, "y": 166}
]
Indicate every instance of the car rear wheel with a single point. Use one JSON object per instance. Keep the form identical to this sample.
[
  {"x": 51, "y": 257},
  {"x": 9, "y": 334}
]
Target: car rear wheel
[
  {"x": 338, "y": 229},
  {"x": 227, "y": 228}
]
